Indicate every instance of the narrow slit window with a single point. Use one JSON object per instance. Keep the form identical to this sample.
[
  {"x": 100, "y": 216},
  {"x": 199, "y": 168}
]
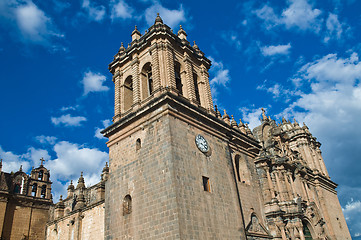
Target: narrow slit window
[{"x": 206, "y": 184}]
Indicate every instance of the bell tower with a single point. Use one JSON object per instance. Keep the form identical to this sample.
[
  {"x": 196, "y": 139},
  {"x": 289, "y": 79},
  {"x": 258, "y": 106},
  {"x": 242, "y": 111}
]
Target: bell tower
[
  {"x": 170, "y": 161},
  {"x": 159, "y": 61}
]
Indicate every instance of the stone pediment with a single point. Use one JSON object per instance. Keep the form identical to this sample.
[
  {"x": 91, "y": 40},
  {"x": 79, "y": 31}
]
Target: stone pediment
[{"x": 255, "y": 228}]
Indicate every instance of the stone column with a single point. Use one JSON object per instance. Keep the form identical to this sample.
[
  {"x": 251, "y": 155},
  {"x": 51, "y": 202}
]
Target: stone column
[
  {"x": 289, "y": 191},
  {"x": 155, "y": 68},
  {"x": 117, "y": 78},
  {"x": 189, "y": 78},
  {"x": 270, "y": 184},
  {"x": 280, "y": 193},
  {"x": 136, "y": 81},
  {"x": 292, "y": 184},
  {"x": 170, "y": 66},
  {"x": 208, "y": 102}
]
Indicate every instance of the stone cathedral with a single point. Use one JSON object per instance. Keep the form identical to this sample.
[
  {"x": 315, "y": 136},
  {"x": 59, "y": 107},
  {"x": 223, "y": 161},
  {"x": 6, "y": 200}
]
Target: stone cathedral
[{"x": 179, "y": 169}]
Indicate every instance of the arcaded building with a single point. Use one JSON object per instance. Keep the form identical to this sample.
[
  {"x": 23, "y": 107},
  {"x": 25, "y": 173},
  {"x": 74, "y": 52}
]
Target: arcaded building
[{"x": 179, "y": 169}]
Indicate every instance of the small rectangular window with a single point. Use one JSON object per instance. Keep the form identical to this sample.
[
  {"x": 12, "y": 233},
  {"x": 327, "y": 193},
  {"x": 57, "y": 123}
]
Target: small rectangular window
[{"x": 206, "y": 185}]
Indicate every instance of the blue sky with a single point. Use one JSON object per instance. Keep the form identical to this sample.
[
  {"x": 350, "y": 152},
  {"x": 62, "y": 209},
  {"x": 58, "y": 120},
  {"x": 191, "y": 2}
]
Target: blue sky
[{"x": 297, "y": 58}]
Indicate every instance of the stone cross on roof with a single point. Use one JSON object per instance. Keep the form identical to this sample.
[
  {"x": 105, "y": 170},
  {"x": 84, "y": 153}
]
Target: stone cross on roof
[{"x": 42, "y": 160}]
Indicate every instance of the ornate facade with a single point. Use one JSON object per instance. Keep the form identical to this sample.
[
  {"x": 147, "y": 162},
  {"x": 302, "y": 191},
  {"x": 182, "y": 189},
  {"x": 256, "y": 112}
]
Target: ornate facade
[{"x": 178, "y": 169}]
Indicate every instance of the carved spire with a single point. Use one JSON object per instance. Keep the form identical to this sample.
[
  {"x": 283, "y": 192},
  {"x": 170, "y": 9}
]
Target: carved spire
[
  {"x": 284, "y": 120},
  {"x": 264, "y": 117},
  {"x": 195, "y": 46},
  {"x": 233, "y": 122},
  {"x": 242, "y": 127},
  {"x": 122, "y": 48},
  {"x": 158, "y": 20},
  {"x": 105, "y": 172},
  {"x": 136, "y": 34},
  {"x": 80, "y": 201},
  {"x": 248, "y": 130},
  {"x": 181, "y": 33},
  {"x": 218, "y": 114},
  {"x": 81, "y": 182},
  {"x": 226, "y": 117}
]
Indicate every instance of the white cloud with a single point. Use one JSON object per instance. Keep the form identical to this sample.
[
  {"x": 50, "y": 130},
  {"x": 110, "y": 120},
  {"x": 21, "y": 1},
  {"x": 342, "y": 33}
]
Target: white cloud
[
  {"x": 73, "y": 158},
  {"x": 276, "y": 50},
  {"x": 120, "y": 10},
  {"x": 252, "y": 116},
  {"x": 46, "y": 139},
  {"x": 170, "y": 17},
  {"x": 334, "y": 28},
  {"x": 267, "y": 14},
  {"x": 64, "y": 109},
  {"x": 12, "y": 161},
  {"x": 352, "y": 212},
  {"x": 93, "y": 82},
  {"x": 94, "y": 13},
  {"x": 31, "y": 23},
  {"x": 299, "y": 14},
  {"x": 97, "y": 134},
  {"x": 219, "y": 77},
  {"x": 68, "y": 120}
]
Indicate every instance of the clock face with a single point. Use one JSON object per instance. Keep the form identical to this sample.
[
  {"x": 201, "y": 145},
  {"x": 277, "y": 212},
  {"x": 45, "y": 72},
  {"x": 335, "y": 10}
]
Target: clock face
[{"x": 202, "y": 143}]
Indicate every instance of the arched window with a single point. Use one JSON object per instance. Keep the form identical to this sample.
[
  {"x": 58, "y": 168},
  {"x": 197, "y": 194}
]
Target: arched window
[
  {"x": 178, "y": 80},
  {"x": 128, "y": 93},
  {"x": 306, "y": 231},
  {"x": 138, "y": 144},
  {"x": 127, "y": 205},
  {"x": 242, "y": 172},
  {"x": 147, "y": 80},
  {"x": 34, "y": 190},
  {"x": 196, "y": 89},
  {"x": 41, "y": 174},
  {"x": 237, "y": 167}
]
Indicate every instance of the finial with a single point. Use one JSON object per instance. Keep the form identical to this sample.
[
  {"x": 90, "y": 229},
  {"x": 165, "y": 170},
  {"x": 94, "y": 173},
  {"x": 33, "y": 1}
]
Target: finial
[
  {"x": 158, "y": 19},
  {"x": 195, "y": 46},
  {"x": 61, "y": 198},
  {"x": 181, "y": 33},
  {"x": 135, "y": 28},
  {"x": 226, "y": 117},
  {"x": 264, "y": 117},
  {"x": 218, "y": 114},
  {"x": 284, "y": 120},
  {"x": 233, "y": 122},
  {"x": 21, "y": 168},
  {"x": 1, "y": 165}
]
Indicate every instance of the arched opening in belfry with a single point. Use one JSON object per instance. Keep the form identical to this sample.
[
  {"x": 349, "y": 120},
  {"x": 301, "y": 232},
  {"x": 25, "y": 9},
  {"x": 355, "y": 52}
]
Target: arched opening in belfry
[
  {"x": 196, "y": 89},
  {"x": 34, "y": 189},
  {"x": 147, "y": 80},
  {"x": 128, "y": 93},
  {"x": 178, "y": 80},
  {"x": 41, "y": 174},
  {"x": 43, "y": 191}
]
